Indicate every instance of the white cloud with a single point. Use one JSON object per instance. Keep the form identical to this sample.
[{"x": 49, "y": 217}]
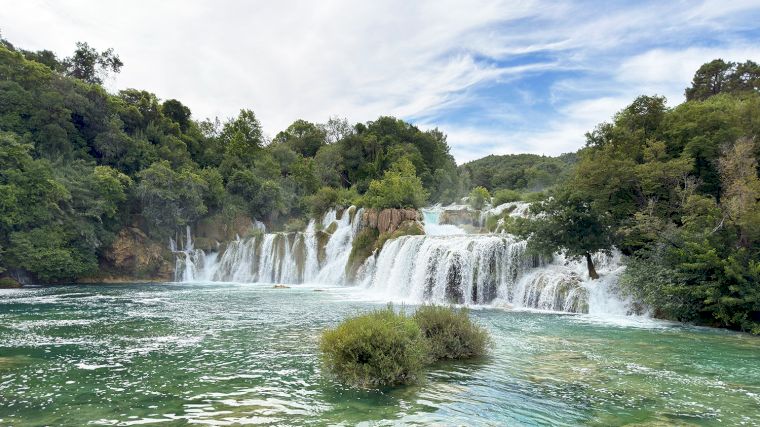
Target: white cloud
[{"x": 419, "y": 60}]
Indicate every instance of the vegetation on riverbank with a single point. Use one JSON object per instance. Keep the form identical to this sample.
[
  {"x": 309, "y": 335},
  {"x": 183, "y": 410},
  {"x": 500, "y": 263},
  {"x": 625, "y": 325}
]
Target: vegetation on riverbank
[
  {"x": 677, "y": 190},
  {"x": 79, "y": 165},
  {"x": 388, "y": 348}
]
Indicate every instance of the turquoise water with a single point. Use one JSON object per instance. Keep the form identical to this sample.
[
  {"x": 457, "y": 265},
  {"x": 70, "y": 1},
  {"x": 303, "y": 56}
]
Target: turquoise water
[{"x": 236, "y": 354}]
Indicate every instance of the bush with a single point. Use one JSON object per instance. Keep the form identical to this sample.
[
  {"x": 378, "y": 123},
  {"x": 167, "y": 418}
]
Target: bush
[
  {"x": 400, "y": 187},
  {"x": 479, "y": 196},
  {"x": 295, "y": 224},
  {"x": 379, "y": 349},
  {"x": 327, "y": 198},
  {"x": 385, "y": 348},
  {"x": 450, "y": 333},
  {"x": 505, "y": 196}
]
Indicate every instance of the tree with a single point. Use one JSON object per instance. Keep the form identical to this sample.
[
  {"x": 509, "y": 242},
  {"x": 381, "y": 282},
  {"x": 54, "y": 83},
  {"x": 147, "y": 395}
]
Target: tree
[
  {"x": 262, "y": 197},
  {"x": 89, "y": 65},
  {"x": 569, "y": 224},
  {"x": 741, "y": 189},
  {"x": 718, "y": 76},
  {"x": 709, "y": 80},
  {"x": 336, "y": 129},
  {"x": 302, "y": 137},
  {"x": 170, "y": 200},
  {"x": 242, "y": 136},
  {"x": 176, "y": 112},
  {"x": 399, "y": 188},
  {"x": 479, "y": 196}
]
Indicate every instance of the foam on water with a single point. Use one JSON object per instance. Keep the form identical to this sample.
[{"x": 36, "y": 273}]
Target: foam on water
[{"x": 444, "y": 266}]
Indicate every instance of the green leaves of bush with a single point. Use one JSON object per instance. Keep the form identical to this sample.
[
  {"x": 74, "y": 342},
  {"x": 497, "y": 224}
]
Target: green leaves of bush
[
  {"x": 450, "y": 333},
  {"x": 385, "y": 348},
  {"x": 381, "y": 348}
]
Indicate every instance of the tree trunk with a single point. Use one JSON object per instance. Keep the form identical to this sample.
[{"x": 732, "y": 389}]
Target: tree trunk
[{"x": 591, "y": 270}]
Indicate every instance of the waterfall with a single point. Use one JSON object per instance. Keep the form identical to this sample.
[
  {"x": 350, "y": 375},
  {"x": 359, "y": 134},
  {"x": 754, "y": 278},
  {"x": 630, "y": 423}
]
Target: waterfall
[
  {"x": 433, "y": 227},
  {"x": 444, "y": 266},
  {"x": 290, "y": 258},
  {"x": 492, "y": 269}
]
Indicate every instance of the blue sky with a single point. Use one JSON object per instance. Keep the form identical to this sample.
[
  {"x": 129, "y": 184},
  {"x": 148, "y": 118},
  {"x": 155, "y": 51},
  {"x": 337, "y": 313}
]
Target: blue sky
[{"x": 496, "y": 76}]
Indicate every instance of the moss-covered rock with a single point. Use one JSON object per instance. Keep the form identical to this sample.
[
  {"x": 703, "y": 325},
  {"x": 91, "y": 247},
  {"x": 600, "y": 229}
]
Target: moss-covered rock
[
  {"x": 9, "y": 282},
  {"x": 361, "y": 248}
]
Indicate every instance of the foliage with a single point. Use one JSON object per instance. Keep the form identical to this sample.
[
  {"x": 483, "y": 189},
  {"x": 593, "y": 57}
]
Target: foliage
[
  {"x": 479, "y": 197},
  {"x": 518, "y": 171},
  {"x": 169, "y": 199},
  {"x": 327, "y": 198},
  {"x": 89, "y": 65},
  {"x": 678, "y": 190},
  {"x": 505, "y": 196},
  {"x": 568, "y": 223},
  {"x": 379, "y": 349},
  {"x": 302, "y": 137},
  {"x": 362, "y": 247},
  {"x": 399, "y": 188},
  {"x": 450, "y": 333},
  {"x": 718, "y": 76}
]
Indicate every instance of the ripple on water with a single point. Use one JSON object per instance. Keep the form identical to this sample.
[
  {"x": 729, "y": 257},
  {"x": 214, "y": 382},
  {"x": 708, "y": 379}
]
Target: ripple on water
[{"x": 234, "y": 354}]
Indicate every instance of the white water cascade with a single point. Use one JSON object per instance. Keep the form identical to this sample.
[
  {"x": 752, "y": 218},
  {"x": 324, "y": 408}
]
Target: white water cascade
[
  {"x": 444, "y": 266},
  {"x": 312, "y": 256}
]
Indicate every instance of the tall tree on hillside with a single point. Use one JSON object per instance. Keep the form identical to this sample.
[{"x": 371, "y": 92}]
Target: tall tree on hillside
[
  {"x": 242, "y": 136},
  {"x": 91, "y": 66},
  {"x": 741, "y": 189}
]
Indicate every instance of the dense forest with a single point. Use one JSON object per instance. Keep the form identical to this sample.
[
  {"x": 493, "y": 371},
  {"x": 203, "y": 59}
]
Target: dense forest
[
  {"x": 675, "y": 189},
  {"x": 519, "y": 172},
  {"x": 78, "y": 164}
]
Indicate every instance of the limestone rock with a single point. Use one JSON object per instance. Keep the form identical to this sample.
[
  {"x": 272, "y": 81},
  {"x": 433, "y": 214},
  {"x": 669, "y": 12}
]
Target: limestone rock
[
  {"x": 388, "y": 220},
  {"x": 459, "y": 217},
  {"x": 133, "y": 254}
]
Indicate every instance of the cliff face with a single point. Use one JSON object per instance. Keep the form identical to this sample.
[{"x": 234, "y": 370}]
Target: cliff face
[
  {"x": 135, "y": 257},
  {"x": 389, "y": 220}
]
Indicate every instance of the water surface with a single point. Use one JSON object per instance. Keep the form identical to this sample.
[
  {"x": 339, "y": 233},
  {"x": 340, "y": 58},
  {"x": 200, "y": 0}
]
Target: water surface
[{"x": 226, "y": 354}]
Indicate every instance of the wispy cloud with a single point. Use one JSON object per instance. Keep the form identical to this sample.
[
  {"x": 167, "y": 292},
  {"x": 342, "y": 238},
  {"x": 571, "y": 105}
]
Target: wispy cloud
[{"x": 496, "y": 75}]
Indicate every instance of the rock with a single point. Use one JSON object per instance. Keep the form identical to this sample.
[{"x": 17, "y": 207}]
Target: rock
[
  {"x": 217, "y": 228},
  {"x": 388, "y": 220},
  {"x": 8, "y": 283},
  {"x": 459, "y": 217},
  {"x": 133, "y": 254},
  {"x": 280, "y": 286}
]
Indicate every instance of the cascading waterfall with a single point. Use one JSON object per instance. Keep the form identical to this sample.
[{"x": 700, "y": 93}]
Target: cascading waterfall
[
  {"x": 444, "y": 266},
  {"x": 431, "y": 219},
  {"x": 287, "y": 258}
]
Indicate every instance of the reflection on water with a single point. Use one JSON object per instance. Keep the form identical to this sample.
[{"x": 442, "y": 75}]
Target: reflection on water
[{"x": 235, "y": 354}]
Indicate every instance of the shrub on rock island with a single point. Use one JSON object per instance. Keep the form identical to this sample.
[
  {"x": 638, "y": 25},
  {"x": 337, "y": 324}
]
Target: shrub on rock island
[
  {"x": 385, "y": 348},
  {"x": 450, "y": 333},
  {"x": 379, "y": 349}
]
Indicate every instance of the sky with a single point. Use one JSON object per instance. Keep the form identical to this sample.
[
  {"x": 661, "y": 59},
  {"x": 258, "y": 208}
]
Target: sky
[{"x": 498, "y": 77}]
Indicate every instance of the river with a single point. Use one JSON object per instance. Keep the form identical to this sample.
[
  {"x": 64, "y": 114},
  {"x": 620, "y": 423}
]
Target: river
[{"x": 226, "y": 354}]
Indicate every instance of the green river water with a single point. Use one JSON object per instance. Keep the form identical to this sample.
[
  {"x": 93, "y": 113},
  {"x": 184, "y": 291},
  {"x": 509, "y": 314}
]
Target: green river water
[{"x": 247, "y": 354}]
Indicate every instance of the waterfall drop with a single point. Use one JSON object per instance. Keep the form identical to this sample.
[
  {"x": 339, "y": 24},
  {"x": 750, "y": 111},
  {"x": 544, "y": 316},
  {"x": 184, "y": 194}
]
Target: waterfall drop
[{"x": 444, "y": 266}]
